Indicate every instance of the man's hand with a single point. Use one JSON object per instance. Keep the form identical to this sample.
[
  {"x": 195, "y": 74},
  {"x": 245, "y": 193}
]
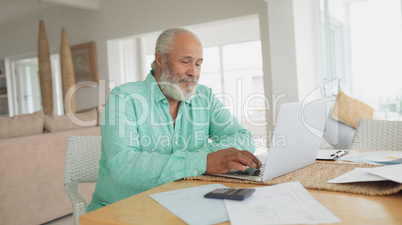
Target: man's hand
[{"x": 226, "y": 159}]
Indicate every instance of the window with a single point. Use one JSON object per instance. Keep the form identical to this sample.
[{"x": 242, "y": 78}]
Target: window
[
  {"x": 362, "y": 48},
  {"x": 211, "y": 70},
  {"x": 234, "y": 72}
]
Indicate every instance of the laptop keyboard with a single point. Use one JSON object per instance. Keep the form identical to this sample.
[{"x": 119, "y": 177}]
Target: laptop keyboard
[{"x": 249, "y": 171}]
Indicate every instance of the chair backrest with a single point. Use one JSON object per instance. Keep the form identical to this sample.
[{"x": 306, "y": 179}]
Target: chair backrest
[
  {"x": 82, "y": 166},
  {"x": 378, "y": 135},
  {"x": 82, "y": 159}
]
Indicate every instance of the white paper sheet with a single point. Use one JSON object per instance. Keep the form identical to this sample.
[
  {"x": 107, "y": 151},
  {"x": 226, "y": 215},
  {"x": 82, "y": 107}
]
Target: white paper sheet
[
  {"x": 388, "y": 158},
  {"x": 356, "y": 175},
  {"x": 288, "y": 203},
  {"x": 393, "y": 173},
  {"x": 361, "y": 158},
  {"x": 190, "y": 205}
]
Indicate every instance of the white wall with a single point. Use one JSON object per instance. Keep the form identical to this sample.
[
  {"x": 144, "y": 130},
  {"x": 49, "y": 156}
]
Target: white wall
[
  {"x": 283, "y": 49},
  {"x": 307, "y": 39},
  {"x": 294, "y": 43}
]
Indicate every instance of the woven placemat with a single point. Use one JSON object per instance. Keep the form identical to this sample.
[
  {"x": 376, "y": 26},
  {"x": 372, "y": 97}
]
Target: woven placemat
[{"x": 316, "y": 176}]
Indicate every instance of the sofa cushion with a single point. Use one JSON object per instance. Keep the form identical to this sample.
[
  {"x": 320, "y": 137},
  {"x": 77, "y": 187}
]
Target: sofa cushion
[
  {"x": 349, "y": 110},
  {"x": 86, "y": 110},
  {"x": 99, "y": 109},
  {"x": 21, "y": 125},
  {"x": 55, "y": 123}
]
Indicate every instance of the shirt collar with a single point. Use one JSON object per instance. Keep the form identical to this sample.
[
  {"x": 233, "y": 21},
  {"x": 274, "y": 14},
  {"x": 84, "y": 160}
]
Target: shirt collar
[{"x": 156, "y": 93}]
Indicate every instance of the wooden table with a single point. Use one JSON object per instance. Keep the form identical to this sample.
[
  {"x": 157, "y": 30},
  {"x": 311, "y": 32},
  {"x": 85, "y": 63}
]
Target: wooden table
[{"x": 350, "y": 208}]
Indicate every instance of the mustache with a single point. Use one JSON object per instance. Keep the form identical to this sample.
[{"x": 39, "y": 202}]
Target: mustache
[{"x": 189, "y": 79}]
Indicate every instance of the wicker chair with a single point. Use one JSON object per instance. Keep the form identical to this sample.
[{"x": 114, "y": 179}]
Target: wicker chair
[
  {"x": 378, "y": 135},
  {"x": 82, "y": 165}
]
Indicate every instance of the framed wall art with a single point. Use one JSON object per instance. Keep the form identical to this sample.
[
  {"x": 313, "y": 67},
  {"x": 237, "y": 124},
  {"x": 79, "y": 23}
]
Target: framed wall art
[{"x": 84, "y": 60}]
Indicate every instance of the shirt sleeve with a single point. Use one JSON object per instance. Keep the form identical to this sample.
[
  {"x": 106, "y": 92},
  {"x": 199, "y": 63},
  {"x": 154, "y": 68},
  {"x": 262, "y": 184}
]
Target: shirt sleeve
[
  {"x": 225, "y": 131},
  {"x": 124, "y": 160}
]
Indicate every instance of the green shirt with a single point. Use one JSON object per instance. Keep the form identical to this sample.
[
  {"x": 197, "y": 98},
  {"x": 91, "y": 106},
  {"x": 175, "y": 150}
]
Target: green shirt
[{"x": 142, "y": 148}]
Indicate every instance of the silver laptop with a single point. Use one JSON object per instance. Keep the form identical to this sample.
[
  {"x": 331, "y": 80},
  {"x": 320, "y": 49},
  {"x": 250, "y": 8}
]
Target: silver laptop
[{"x": 295, "y": 141}]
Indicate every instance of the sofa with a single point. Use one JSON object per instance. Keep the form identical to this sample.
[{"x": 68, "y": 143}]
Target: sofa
[{"x": 32, "y": 157}]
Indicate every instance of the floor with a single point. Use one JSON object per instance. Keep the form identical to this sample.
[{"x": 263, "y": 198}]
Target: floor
[{"x": 66, "y": 220}]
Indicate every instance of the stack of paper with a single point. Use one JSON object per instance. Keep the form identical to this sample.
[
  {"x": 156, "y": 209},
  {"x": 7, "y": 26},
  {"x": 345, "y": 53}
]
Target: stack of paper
[{"x": 392, "y": 173}]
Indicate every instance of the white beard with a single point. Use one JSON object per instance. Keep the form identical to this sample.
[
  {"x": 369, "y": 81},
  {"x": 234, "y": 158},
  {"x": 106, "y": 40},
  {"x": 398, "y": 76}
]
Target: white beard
[{"x": 170, "y": 85}]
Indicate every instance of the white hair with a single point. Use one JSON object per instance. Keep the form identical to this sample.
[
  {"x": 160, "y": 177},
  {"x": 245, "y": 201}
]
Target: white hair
[{"x": 165, "y": 39}]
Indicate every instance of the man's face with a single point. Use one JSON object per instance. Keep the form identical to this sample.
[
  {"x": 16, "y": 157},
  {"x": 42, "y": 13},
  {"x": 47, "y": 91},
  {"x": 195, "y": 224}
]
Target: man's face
[{"x": 181, "y": 68}]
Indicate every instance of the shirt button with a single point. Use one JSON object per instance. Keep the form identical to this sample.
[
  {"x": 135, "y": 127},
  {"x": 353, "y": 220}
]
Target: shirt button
[
  {"x": 195, "y": 172},
  {"x": 175, "y": 142}
]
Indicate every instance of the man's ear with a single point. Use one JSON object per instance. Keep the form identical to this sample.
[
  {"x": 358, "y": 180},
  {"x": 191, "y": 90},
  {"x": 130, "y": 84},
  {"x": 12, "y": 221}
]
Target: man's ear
[{"x": 158, "y": 59}]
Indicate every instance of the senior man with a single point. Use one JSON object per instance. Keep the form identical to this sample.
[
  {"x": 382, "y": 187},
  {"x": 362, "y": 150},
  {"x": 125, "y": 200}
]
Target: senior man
[{"x": 157, "y": 131}]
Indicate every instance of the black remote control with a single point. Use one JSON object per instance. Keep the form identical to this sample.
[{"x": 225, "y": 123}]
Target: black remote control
[{"x": 229, "y": 193}]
